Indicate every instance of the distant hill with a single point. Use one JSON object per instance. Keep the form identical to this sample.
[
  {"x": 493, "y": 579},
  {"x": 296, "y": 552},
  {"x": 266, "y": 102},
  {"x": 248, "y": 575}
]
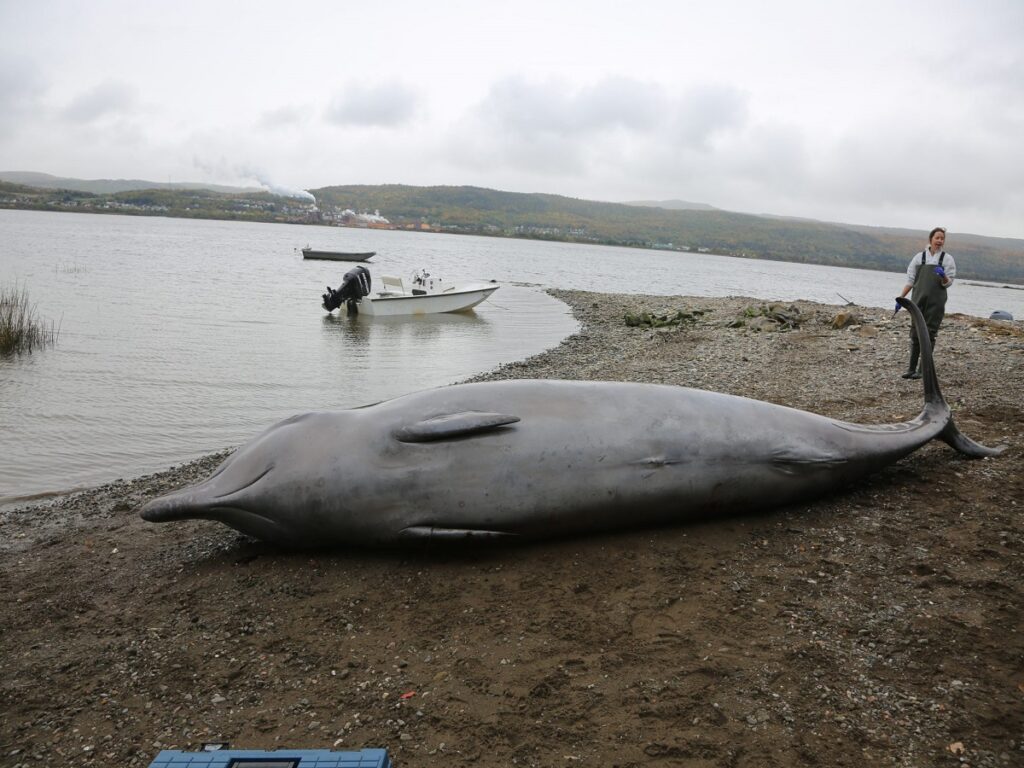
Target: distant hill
[
  {"x": 487, "y": 211},
  {"x": 1014, "y": 245},
  {"x": 673, "y": 205},
  {"x": 1011, "y": 244},
  {"x": 109, "y": 186},
  {"x": 687, "y": 227},
  {"x": 189, "y": 202}
]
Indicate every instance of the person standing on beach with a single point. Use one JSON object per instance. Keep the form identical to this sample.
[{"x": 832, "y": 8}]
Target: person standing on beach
[{"x": 929, "y": 275}]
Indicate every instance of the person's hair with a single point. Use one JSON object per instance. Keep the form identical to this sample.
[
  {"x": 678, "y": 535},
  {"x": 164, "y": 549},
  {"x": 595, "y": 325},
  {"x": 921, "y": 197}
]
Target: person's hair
[{"x": 932, "y": 233}]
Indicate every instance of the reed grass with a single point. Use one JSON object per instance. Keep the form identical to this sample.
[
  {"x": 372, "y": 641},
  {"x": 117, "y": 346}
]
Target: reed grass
[{"x": 21, "y": 329}]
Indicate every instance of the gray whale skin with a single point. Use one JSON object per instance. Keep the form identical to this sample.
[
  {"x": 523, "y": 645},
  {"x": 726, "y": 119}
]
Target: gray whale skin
[{"x": 530, "y": 459}]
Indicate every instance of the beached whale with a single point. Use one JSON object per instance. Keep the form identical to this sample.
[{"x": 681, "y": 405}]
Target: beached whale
[{"x": 534, "y": 459}]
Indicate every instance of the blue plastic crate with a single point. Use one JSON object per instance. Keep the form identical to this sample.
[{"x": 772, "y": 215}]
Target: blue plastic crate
[{"x": 278, "y": 758}]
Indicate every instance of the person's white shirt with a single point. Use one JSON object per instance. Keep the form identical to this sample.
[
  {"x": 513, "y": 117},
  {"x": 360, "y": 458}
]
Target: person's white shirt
[{"x": 948, "y": 265}]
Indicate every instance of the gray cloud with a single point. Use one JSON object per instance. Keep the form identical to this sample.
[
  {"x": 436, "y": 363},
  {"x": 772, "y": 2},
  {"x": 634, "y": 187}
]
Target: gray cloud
[
  {"x": 384, "y": 105},
  {"x": 709, "y": 110},
  {"x": 282, "y": 117},
  {"x": 475, "y": 147},
  {"x": 616, "y": 132},
  {"x": 515, "y": 105},
  {"x": 961, "y": 170},
  {"x": 549, "y": 129},
  {"x": 755, "y": 168},
  {"x": 110, "y": 98},
  {"x": 20, "y": 91}
]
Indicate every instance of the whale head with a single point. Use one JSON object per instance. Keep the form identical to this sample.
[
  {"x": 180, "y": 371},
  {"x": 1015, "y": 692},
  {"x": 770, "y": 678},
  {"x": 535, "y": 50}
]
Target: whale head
[{"x": 272, "y": 488}]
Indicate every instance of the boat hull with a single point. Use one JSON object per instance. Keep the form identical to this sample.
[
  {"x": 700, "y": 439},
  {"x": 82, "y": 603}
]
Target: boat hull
[
  {"x": 460, "y": 300},
  {"x": 308, "y": 253}
]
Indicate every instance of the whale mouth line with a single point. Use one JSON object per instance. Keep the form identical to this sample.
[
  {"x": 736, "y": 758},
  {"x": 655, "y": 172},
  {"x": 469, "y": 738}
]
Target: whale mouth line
[
  {"x": 251, "y": 483},
  {"x": 248, "y": 522},
  {"x": 213, "y": 512},
  {"x": 238, "y": 511}
]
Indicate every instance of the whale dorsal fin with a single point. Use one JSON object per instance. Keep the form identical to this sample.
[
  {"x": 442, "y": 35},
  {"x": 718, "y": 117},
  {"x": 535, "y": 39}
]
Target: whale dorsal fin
[
  {"x": 436, "y": 533},
  {"x": 452, "y": 425}
]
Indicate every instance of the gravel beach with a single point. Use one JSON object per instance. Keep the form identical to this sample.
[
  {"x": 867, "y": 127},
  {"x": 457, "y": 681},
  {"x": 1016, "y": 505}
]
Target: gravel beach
[{"x": 880, "y": 626}]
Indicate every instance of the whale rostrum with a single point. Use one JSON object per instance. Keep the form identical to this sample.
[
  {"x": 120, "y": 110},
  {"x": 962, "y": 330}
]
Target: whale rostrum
[{"x": 540, "y": 458}]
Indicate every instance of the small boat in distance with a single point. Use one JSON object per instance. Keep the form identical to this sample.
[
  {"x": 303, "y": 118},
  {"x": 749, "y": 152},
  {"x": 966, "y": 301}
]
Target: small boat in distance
[
  {"x": 425, "y": 296},
  {"x": 309, "y": 253}
]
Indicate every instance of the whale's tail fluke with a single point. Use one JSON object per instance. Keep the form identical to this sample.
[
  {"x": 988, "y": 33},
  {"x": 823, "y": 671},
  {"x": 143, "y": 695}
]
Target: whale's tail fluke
[
  {"x": 932, "y": 394},
  {"x": 935, "y": 404},
  {"x": 954, "y": 438}
]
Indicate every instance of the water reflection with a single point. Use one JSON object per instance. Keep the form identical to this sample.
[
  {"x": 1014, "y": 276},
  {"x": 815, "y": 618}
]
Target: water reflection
[
  {"x": 348, "y": 328},
  {"x": 361, "y": 330}
]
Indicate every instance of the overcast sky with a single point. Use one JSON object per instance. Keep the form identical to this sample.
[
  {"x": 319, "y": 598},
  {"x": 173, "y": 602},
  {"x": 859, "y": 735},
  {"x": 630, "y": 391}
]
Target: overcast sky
[{"x": 885, "y": 113}]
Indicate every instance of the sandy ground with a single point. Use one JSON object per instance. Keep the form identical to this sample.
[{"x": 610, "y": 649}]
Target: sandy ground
[{"x": 878, "y": 626}]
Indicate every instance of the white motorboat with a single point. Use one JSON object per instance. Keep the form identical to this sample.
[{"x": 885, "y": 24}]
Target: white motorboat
[{"x": 423, "y": 295}]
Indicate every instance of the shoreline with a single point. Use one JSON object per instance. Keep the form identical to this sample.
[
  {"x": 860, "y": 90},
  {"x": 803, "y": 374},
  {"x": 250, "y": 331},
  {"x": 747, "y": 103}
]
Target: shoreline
[
  {"x": 515, "y": 369},
  {"x": 878, "y": 625}
]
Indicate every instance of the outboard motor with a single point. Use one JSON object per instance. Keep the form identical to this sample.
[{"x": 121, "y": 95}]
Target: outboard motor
[{"x": 354, "y": 285}]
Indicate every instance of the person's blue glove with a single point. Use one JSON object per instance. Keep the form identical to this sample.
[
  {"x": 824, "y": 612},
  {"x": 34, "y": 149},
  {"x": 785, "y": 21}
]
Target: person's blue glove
[{"x": 941, "y": 273}]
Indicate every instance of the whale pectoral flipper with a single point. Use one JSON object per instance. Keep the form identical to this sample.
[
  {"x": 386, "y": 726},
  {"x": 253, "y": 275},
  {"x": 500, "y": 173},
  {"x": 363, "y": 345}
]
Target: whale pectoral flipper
[
  {"x": 796, "y": 461},
  {"x": 425, "y": 532},
  {"x": 452, "y": 425}
]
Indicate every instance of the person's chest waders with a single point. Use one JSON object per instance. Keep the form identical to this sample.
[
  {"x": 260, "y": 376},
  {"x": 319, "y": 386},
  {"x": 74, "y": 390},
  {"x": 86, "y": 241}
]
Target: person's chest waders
[{"x": 930, "y": 296}]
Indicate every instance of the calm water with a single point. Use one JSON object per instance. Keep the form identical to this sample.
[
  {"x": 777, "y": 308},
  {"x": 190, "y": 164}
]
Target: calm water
[{"x": 182, "y": 337}]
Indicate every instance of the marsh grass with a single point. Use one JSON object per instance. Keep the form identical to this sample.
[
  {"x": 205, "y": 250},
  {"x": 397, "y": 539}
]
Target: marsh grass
[{"x": 21, "y": 330}]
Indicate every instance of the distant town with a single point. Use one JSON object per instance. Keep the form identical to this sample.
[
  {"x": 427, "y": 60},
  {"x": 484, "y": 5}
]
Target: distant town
[
  {"x": 366, "y": 220},
  {"x": 262, "y": 207}
]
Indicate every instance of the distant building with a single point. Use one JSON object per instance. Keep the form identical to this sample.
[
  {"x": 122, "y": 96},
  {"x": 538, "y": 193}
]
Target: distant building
[
  {"x": 418, "y": 226},
  {"x": 349, "y": 218}
]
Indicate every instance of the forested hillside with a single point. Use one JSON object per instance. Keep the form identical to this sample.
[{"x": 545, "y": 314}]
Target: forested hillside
[
  {"x": 487, "y": 211},
  {"x": 475, "y": 210}
]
